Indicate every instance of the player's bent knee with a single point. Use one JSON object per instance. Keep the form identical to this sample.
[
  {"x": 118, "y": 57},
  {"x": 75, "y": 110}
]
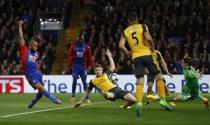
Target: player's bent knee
[
  {"x": 140, "y": 80},
  {"x": 39, "y": 86},
  {"x": 159, "y": 76},
  {"x": 129, "y": 97}
]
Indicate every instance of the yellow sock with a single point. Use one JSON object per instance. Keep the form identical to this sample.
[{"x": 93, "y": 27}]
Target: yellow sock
[
  {"x": 139, "y": 92},
  {"x": 167, "y": 92},
  {"x": 161, "y": 89}
]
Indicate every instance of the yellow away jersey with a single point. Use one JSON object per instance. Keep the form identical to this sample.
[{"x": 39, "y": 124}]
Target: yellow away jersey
[
  {"x": 134, "y": 36},
  {"x": 103, "y": 83},
  {"x": 156, "y": 58}
]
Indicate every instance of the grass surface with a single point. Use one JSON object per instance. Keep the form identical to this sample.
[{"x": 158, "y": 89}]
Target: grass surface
[{"x": 106, "y": 113}]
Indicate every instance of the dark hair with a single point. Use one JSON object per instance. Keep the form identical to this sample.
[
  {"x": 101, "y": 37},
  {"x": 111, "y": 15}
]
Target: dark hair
[
  {"x": 82, "y": 33},
  {"x": 187, "y": 60},
  {"x": 34, "y": 39},
  {"x": 132, "y": 16},
  {"x": 98, "y": 65}
]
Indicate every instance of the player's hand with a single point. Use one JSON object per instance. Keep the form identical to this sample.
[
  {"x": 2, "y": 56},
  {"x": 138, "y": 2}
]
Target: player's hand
[
  {"x": 20, "y": 23},
  {"x": 169, "y": 74},
  {"x": 152, "y": 48},
  {"x": 77, "y": 105},
  {"x": 130, "y": 54},
  {"x": 201, "y": 73},
  {"x": 108, "y": 53}
]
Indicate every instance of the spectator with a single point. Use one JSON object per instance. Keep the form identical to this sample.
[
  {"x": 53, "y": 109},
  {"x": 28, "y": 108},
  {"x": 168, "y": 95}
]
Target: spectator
[{"x": 177, "y": 27}]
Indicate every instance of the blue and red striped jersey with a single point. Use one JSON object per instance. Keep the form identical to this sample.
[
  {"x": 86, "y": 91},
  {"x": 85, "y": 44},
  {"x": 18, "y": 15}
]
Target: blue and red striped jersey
[
  {"x": 29, "y": 60},
  {"x": 80, "y": 55}
]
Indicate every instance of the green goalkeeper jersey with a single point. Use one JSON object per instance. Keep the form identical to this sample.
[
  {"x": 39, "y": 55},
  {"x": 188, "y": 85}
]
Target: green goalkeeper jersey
[{"x": 191, "y": 76}]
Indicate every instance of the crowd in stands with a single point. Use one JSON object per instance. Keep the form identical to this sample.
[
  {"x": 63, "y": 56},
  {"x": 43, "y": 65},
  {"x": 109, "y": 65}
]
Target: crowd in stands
[
  {"x": 29, "y": 11},
  {"x": 178, "y": 27}
]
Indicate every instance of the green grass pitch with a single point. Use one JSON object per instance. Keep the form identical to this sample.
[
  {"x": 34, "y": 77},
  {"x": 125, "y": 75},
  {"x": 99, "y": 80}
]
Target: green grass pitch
[{"x": 105, "y": 113}]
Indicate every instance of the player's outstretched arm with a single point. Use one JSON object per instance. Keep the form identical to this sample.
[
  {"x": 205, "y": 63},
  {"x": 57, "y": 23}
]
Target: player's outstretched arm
[
  {"x": 111, "y": 61},
  {"x": 148, "y": 37},
  {"x": 200, "y": 73},
  {"x": 69, "y": 59},
  {"x": 85, "y": 95},
  {"x": 163, "y": 64},
  {"x": 20, "y": 27}
]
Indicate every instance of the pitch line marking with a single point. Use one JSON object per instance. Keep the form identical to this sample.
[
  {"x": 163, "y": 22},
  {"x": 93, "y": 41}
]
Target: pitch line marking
[{"x": 46, "y": 110}]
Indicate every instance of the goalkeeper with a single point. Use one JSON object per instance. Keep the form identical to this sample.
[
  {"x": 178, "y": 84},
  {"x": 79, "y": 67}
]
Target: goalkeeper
[
  {"x": 109, "y": 90},
  {"x": 190, "y": 90}
]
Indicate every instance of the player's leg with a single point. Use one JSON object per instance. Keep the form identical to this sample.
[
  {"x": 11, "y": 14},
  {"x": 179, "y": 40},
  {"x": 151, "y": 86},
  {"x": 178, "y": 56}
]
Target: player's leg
[
  {"x": 185, "y": 96},
  {"x": 42, "y": 90},
  {"x": 36, "y": 81},
  {"x": 161, "y": 91},
  {"x": 118, "y": 93},
  {"x": 139, "y": 94},
  {"x": 150, "y": 82},
  {"x": 194, "y": 91},
  {"x": 168, "y": 94},
  {"x": 130, "y": 100},
  {"x": 139, "y": 67},
  {"x": 37, "y": 97},
  {"x": 181, "y": 98},
  {"x": 159, "y": 82},
  {"x": 139, "y": 73},
  {"x": 205, "y": 100},
  {"x": 75, "y": 76},
  {"x": 83, "y": 75}
]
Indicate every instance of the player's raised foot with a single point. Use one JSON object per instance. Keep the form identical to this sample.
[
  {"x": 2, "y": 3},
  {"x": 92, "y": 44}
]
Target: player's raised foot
[
  {"x": 139, "y": 109},
  {"x": 58, "y": 101},
  {"x": 33, "y": 102},
  {"x": 88, "y": 101},
  {"x": 165, "y": 105},
  {"x": 72, "y": 100},
  {"x": 206, "y": 103},
  {"x": 123, "y": 107},
  {"x": 172, "y": 104}
]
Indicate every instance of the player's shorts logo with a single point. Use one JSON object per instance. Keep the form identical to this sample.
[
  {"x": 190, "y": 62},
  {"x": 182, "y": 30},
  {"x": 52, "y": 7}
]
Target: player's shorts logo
[{"x": 11, "y": 85}]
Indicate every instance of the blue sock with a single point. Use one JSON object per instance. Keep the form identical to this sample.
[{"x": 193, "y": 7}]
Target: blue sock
[
  {"x": 85, "y": 85},
  {"x": 38, "y": 96},
  {"x": 35, "y": 100},
  {"x": 74, "y": 86},
  {"x": 50, "y": 96}
]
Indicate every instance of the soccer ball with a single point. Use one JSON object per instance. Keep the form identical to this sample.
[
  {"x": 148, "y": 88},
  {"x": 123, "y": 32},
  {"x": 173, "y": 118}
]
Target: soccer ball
[{"x": 113, "y": 77}]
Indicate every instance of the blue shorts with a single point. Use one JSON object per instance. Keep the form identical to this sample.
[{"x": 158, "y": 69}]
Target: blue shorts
[
  {"x": 79, "y": 71},
  {"x": 34, "y": 78}
]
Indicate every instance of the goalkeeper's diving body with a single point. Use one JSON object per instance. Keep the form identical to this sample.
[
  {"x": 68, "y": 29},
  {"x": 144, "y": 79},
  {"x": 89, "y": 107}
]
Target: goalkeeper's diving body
[
  {"x": 190, "y": 90},
  {"x": 109, "y": 90}
]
